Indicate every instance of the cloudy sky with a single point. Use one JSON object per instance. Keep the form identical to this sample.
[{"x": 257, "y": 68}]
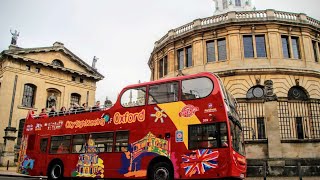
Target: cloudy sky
[{"x": 121, "y": 33}]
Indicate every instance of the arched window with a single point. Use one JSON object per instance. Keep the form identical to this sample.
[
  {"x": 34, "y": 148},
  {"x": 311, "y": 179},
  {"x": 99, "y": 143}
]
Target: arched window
[
  {"x": 29, "y": 93},
  {"x": 75, "y": 98},
  {"x": 57, "y": 62},
  {"x": 238, "y": 2},
  {"x": 297, "y": 93},
  {"x": 256, "y": 92}
]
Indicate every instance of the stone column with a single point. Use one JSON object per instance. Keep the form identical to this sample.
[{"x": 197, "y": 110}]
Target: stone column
[{"x": 8, "y": 152}]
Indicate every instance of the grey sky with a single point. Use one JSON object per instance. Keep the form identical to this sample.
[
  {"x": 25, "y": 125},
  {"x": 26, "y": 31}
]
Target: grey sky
[{"x": 121, "y": 33}]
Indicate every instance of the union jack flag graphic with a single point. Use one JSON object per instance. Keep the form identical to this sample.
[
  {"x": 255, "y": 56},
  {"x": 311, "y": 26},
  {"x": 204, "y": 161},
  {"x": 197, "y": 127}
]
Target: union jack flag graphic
[{"x": 199, "y": 161}]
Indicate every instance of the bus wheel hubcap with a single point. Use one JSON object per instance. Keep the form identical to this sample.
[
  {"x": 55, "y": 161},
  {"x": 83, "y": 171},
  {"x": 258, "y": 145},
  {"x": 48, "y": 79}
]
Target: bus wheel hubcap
[
  {"x": 161, "y": 174},
  {"x": 56, "y": 171}
]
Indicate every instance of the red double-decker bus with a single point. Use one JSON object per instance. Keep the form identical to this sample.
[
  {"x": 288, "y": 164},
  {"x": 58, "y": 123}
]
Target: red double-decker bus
[{"x": 179, "y": 128}]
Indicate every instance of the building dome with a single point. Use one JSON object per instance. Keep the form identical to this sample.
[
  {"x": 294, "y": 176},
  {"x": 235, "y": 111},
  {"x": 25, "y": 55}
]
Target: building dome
[{"x": 269, "y": 61}]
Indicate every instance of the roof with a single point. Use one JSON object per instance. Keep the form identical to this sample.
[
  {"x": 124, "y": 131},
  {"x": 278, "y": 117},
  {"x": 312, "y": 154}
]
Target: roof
[{"x": 16, "y": 53}]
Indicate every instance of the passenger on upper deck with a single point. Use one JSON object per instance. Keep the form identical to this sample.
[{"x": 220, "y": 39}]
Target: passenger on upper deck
[
  {"x": 96, "y": 107},
  {"x": 52, "y": 111},
  {"x": 43, "y": 113}
]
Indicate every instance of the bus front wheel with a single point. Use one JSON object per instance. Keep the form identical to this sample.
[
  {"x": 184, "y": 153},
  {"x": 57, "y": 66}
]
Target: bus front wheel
[
  {"x": 55, "y": 171},
  {"x": 161, "y": 171}
]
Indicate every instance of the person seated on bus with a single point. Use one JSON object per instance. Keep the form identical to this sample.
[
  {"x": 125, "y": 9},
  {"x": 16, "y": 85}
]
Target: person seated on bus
[
  {"x": 63, "y": 111},
  {"x": 96, "y": 107},
  {"x": 62, "y": 149},
  {"x": 43, "y": 113}
]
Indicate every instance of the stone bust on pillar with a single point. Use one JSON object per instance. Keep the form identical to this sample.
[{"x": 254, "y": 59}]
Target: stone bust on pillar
[{"x": 268, "y": 89}]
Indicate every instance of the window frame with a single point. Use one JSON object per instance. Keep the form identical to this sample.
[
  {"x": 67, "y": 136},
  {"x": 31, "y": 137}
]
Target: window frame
[
  {"x": 72, "y": 95},
  {"x": 188, "y": 56},
  {"x": 254, "y": 46},
  {"x": 291, "y": 48},
  {"x": 214, "y": 42},
  {"x": 29, "y": 88},
  {"x": 115, "y": 141},
  {"x": 145, "y": 96},
  {"x": 149, "y": 87},
  {"x": 225, "y": 49}
]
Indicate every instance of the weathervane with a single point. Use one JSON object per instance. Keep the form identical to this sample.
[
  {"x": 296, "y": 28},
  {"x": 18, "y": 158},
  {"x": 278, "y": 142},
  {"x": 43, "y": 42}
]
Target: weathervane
[{"x": 14, "y": 38}]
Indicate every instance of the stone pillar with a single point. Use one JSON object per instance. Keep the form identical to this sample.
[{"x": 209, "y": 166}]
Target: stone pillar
[{"x": 9, "y": 142}]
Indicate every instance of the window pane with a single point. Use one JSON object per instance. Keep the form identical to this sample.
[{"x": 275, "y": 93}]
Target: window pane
[
  {"x": 285, "y": 47},
  {"x": 211, "y": 52},
  {"x": 189, "y": 56},
  {"x": 43, "y": 145},
  {"x": 161, "y": 68},
  {"x": 248, "y": 46},
  {"x": 165, "y": 66},
  {"x": 75, "y": 99},
  {"x": 134, "y": 97},
  {"x": 163, "y": 93},
  {"x": 180, "y": 59},
  {"x": 122, "y": 138},
  {"x": 196, "y": 88},
  {"x": 261, "y": 46},
  {"x": 314, "y": 44},
  {"x": 28, "y": 95},
  {"x": 222, "y": 52},
  {"x": 261, "y": 128},
  {"x": 295, "y": 47},
  {"x": 299, "y": 128},
  {"x": 238, "y": 2},
  {"x": 78, "y": 143},
  {"x": 103, "y": 142},
  {"x": 207, "y": 136},
  {"x": 225, "y": 4},
  {"x": 60, "y": 144}
]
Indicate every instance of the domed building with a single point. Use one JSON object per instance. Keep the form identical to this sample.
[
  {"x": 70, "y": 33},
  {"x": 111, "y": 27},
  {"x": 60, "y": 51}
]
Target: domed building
[{"x": 269, "y": 61}]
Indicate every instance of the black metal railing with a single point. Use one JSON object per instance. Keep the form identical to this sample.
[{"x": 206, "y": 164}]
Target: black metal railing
[
  {"x": 299, "y": 119},
  {"x": 252, "y": 119}
]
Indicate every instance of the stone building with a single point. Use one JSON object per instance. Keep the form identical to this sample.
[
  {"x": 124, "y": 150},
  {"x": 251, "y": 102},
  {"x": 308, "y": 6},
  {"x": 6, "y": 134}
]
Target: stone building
[
  {"x": 269, "y": 61},
  {"x": 36, "y": 78}
]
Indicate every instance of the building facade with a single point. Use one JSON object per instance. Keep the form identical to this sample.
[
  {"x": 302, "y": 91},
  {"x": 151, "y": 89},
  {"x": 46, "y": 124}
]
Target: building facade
[
  {"x": 36, "y": 78},
  {"x": 269, "y": 61}
]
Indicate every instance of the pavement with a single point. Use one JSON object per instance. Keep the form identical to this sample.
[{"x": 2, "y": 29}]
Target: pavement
[{"x": 12, "y": 172}]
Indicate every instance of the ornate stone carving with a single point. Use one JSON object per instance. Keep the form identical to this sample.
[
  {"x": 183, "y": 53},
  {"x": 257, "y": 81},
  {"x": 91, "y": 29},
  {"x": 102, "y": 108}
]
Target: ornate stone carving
[
  {"x": 268, "y": 90},
  {"x": 52, "y": 100}
]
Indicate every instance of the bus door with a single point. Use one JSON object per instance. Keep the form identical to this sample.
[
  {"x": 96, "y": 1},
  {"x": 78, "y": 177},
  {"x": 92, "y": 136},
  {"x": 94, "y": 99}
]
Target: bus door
[{"x": 43, "y": 152}]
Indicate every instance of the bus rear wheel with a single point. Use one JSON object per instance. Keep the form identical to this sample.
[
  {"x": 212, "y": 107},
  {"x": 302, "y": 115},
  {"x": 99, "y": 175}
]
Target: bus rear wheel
[
  {"x": 55, "y": 171},
  {"x": 161, "y": 171}
]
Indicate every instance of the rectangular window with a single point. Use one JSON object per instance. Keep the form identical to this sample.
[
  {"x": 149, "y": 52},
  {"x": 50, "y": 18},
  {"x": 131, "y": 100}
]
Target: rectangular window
[
  {"x": 222, "y": 51},
  {"x": 225, "y": 4},
  {"x": 43, "y": 145},
  {"x": 37, "y": 70},
  {"x": 161, "y": 68},
  {"x": 134, "y": 97},
  {"x": 81, "y": 80},
  {"x": 285, "y": 47},
  {"x": 238, "y": 2},
  {"x": 211, "y": 54},
  {"x": 189, "y": 56},
  {"x": 261, "y": 46},
  {"x": 165, "y": 65},
  {"x": 60, "y": 144},
  {"x": 295, "y": 47},
  {"x": 104, "y": 141},
  {"x": 28, "y": 67},
  {"x": 261, "y": 128},
  {"x": 78, "y": 143},
  {"x": 315, "y": 48},
  {"x": 299, "y": 128},
  {"x": 208, "y": 136},
  {"x": 122, "y": 139},
  {"x": 180, "y": 59},
  {"x": 163, "y": 93},
  {"x": 248, "y": 46},
  {"x": 73, "y": 78}
]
